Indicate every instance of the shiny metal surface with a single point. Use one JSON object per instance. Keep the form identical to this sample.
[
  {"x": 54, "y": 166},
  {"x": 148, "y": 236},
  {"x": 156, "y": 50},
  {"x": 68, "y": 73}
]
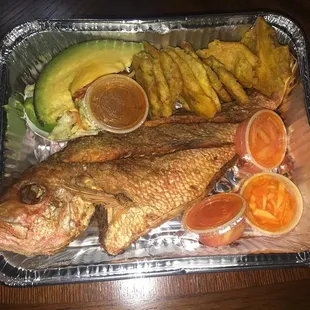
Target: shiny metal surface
[{"x": 167, "y": 249}]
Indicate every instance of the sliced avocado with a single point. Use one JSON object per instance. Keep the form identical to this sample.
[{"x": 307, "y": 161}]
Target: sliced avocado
[
  {"x": 74, "y": 68},
  {"x": 29, "y": 110}
]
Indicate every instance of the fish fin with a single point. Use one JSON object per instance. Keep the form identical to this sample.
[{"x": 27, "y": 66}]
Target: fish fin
[
  {"x": 101, "y": 216},
  {"x": 125, "y": 226},
  {"x": 106, "y": 216},
  {"x": 221, "y": 173}
]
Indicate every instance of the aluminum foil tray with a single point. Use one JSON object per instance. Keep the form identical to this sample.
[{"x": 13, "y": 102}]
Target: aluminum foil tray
[{"x": 167, "y": 249}]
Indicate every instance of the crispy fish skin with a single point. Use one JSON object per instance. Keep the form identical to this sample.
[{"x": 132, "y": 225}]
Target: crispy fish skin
[
  {"x": 236, "y": 57},
  {"x": 193, "y": 93},
  {"x": 262, "y": 100},
  {"x": 158, "y": 140},
  {"x": 231, "y": 113},
  {"x": 227, "y": 78},
  {"x": 156, "y": 189},
  {"x": 213, "y": 78},
  {"x": 200, "y": 73},
  {"x": 53, "y": 202},
  {"x": 144, "y": 70}
]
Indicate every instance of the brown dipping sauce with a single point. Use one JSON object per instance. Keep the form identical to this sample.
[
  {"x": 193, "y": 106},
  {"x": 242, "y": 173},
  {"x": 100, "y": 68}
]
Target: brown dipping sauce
[{"x": 116, "y": 101}]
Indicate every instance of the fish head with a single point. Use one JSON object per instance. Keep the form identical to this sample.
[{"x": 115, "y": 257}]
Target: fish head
[
  {"x": 40, "y": 216},
  {"x": 30, "y": 193}
]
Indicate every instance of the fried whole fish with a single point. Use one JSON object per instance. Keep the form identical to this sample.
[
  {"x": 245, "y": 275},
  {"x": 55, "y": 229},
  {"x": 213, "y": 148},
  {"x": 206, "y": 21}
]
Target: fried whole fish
[
  {"x": 231, "y": 113},
  {"x": 158, "y": 140},
  {"x": 153, "y": 190},
  {"x": 53, "y": 202}
]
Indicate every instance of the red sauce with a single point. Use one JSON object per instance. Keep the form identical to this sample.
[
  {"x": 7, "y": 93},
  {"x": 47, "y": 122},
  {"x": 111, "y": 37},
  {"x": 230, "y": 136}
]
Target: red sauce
[
  {"x": 116, "y": 101},
  {"x": 219, "y": 219},
  {"x": 214, "y": 212}
]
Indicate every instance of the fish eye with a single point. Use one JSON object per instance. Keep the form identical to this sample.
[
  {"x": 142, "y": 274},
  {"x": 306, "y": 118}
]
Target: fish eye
[{"x": 32, "y": 193}]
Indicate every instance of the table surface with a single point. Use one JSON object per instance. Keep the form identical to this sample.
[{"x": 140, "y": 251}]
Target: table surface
[{"x": 260, "y": 289}]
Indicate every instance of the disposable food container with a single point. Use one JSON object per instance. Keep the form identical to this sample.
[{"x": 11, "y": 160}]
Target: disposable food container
[{"x": 168, "y": 249}]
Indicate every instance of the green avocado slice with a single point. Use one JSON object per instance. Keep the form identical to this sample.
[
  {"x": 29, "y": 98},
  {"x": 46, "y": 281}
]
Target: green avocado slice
[
  {"x": 29, "y": 110},
  {"x": 74, "y": 68}
]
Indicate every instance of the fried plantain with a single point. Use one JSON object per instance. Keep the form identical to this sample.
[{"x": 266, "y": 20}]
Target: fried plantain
[
  {"x": 213, "y": 78},
  {"x": 162, "y": 86},
  {"x": 185, "y": 104},
  {"x": 236, "y": 57},
  {"x": 188, "y": 48},
  {"x": 227, "y": 78},
  {"x": 172, "y": 77},
  {"x": 163, "y": 89},
  {"x": 277, "y": 66},
  {"x": 172, "y": 74},
  {"x": 249, "y": 40},
  {"x": 217, "y": 85},
  {"x": 144, "y": 70},
  {"x": 193, "y": 93},
  {"x": 151, "y": 49},
  {"x": 200, "y": 73}
]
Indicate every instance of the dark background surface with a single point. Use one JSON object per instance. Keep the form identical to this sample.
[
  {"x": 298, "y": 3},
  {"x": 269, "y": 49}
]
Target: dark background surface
[{"x": 262, "y": 289}]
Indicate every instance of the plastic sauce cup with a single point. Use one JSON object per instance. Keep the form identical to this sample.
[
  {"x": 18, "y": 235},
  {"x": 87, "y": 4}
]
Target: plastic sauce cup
[
  {"x": 274, "y": 202},
  {"x": 262, "y": 140},
  {"x": 116, "y": 103},
  {"x": 218, "y": 219}
]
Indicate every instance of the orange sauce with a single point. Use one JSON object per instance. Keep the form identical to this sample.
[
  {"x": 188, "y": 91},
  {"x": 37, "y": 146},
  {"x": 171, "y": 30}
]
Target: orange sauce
[
  {"x": 267, "y": 139},
  {"x": 271, "y": 203},
  {"x": 213, "y": 212}
]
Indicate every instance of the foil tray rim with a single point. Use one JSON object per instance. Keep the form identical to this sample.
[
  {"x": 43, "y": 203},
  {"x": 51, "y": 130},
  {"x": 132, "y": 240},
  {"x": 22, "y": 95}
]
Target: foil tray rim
[{"x": 15, "y": 276}]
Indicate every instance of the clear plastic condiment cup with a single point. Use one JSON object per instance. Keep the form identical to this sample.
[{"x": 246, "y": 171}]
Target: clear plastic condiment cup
[
  {"x": 248, "y": 136},
  {"x": 116, "y": 103},
  {"x": 289, "y": 185},
  {"x": 218, "y": 219}
]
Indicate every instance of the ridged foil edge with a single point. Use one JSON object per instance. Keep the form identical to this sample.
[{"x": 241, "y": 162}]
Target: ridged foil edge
[
  {"x": 15, "y": 276},
  {"x": 148, "y": 268}
]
